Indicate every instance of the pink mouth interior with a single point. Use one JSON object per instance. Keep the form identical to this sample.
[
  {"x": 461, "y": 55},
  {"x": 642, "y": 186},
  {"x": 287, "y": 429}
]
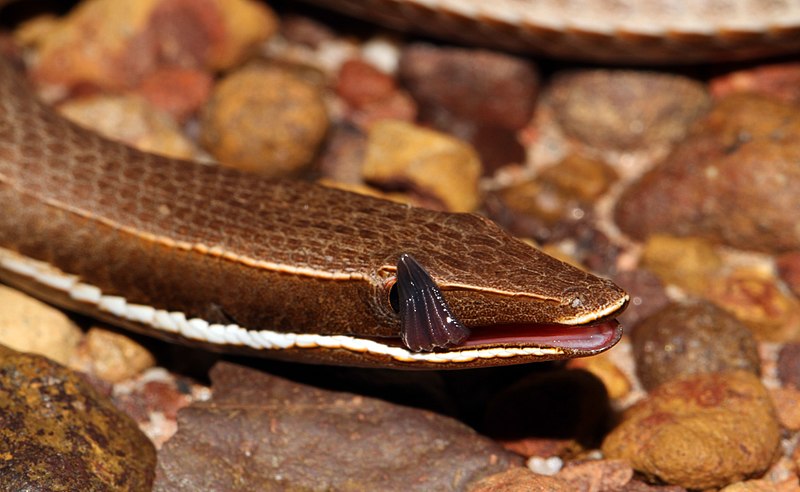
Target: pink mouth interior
[{"x": 582, "y": 338}]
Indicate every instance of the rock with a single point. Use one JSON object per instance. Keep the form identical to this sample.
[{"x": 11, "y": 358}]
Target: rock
[
  {"x": 789, "y": 364},
  {"x": 789, "y": 270},
  {"x": 779, "y": 81},
  {"x": 742, "y": 157},
  {"x": 111, "y": 44},
  {"x": 360, "y": 84},
  {"x": 131, "y": 120},
  {"x": 476, "y": 85},
  {"x": 438, "y": 167},
  {"x": 755, "y": 298},
  {"x": 481, "y": 97},
  {"x": 179, "y": 92},
  {"x": 29, "y": 325},
  {"x": 373, "y": 95},
  {"x": 601, "y": 475},
  {"x": 261, "y": 432},
  {"x": 626, "y": 110},
  {"x": 690, "y": 263},
  {"x": 59, "y": 434},
  {"x": 115, "y": 357},
  {"x": 266, "y": 120},
  {"x": 520, "y": 480},
  {"x": 646, "y": 292},
  {"x": 703, "y": 431},
  {"x": 693, "y": 338}
]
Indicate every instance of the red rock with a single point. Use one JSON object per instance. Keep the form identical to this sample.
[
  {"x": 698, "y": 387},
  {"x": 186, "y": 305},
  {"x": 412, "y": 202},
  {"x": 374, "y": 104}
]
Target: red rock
[
  {"x": 360, "y": 84},
  {"x": 601, "y": 475},
  {"x": 181, "y": 92},
  {"x": 743, "y": 158},
  {"x": 476, "y": 85},
  {"x": 780, "y": 81}
]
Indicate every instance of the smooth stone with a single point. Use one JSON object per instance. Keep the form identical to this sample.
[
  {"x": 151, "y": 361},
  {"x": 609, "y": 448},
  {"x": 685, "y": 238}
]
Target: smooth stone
[
  {"x": 626, "y": 110},
  {"x": 692, "y": 338},
  {"x": 29, "y": 325},
  {"x": 265, "y": 119},
  {"x": 262, "y": 432}
]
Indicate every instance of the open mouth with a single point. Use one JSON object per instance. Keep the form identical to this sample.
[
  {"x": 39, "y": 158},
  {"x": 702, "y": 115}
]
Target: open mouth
[{"x": 581, "y": 338}]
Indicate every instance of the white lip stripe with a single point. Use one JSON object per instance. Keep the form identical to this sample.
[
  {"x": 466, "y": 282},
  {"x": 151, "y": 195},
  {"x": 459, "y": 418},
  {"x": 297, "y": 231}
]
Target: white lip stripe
[{"x": 199, "y": 329}]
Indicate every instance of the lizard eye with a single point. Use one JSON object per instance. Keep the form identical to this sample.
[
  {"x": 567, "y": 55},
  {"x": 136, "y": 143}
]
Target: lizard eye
[{"x": 425, "y": 318}]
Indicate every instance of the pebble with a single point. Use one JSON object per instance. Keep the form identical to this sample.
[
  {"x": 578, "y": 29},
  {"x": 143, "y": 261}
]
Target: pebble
[
  {"x": 691, "y": 338},
  {"x": 372, "y": 95},
  {"x": 29, "y": 325},
  {"x": 131, "y": 120},
  {"x": 600, "y": 475},
  {"x": 113, "y": 45},
  {"x": 788, "y": 266},
  {"x": 690, "y": 263},
  {"x": 60, "y": 434},
  {"x": 481, "y": 97},
  {"x": 428, "y": 163},
  {"x": 743, "y": 158},
  {"x": 755, "y": 297},
  {"x": 266, "y": 120},
  {"x": 703, "y": 431},
  {"x": 474, "y": 85},
  {"x": 520, "y": 480},
  {"x": 626, "y": 110},
  {"x": 115, "y": 357}
]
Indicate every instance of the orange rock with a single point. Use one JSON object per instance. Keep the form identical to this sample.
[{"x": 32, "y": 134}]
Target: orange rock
[
  {"x": 429, "y": 163},
  {"x": 266, "y": 120},
  {"x": 703, "y": 431},
  {"x": 690, "y": 263}
]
